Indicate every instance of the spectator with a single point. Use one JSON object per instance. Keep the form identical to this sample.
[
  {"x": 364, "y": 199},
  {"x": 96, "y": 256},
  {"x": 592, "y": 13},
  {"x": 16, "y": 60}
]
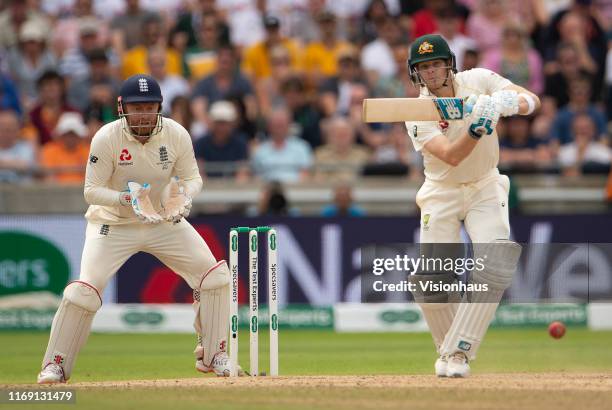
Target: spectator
[
  {"x": 51, "y": 105},
  {"x": 298, "y": 18},
  {"x": 321, "y": 57},
  {"x": 401, "y": 84},
  {"x": 335, "y": 93},
  {"x": 9, "y": 96},
  {"x": 180, "y": 111},
  {"x": 223, "y": 151},
  {"x": 577, "y": 25},
  {"x": 274, "y": 202},
  {"x": 516, "y": 60},
  {"x": 557, "y": 84},
  {"x": 127, "y": 29},
  {"x": 519, "y": 150},
  {"x": 471, "y": 59},
  {"x": 377, "y": 56},
  {"x": 391, "y": 153},
  {"x": 425, "y": 21},
  {"x": 16, "y": 155},
  {"x": 268, "y": 89},
  {"x": 306, "y": 117},
  {"x": 486, "y": 23},
  {"x": 14, "y": 17},
  {"x": 68, "y": 28},
  {"x": 257, "y": 59},
  {"x": 449, "y": 23},
  {"x": 369, "y": 27},
  {"x": 29, "y": 60},
  {"x": 185, "y": 32},
  {"x": 343, "y": 204},
  {"x": 98, "y": 90},
  {"x": 244, "y": 20},
  {"x": 201, "y": 58},
  {"x": 339, "y": 158},
  {"x": 579, "y": 102},
  {"x": 171, "y": 85},
  {"x": 74, "y": 64},
  {"x": 584, "y": 154},
  {"x": 64, "y": 159},
  {"x": 135, "y": 60},
  {"x": 226, "y": 83},
  {"x": 283, "y": 157}
]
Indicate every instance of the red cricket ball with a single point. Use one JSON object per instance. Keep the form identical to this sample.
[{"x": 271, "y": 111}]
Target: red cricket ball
[{"x": 556, "y": 330}]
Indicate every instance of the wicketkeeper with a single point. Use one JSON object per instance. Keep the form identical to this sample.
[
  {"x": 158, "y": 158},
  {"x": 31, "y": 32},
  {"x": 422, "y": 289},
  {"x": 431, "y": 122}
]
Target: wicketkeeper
[{"x": 140, "y": 180}]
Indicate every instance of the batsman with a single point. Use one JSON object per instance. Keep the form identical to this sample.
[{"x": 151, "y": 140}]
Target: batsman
[
  {"x": 463, "y": 186},
  {"x": 140, "y": 181}
]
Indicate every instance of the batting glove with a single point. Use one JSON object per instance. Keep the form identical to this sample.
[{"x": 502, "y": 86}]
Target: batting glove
[
  {"x": 506, "y": 101},
  {"x": 484, "y": 117},
  {"x": 141, "y": 203},
  {"x": 175, "y": 201}
]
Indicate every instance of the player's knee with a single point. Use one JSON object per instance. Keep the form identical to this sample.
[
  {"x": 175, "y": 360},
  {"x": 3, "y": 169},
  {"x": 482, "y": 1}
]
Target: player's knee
[
  {"x": 427, "y": 289},
  {"x": 83, "y": 295},
  {"x": 500, "y": 261},
  {"x": 216, "y": 277}
]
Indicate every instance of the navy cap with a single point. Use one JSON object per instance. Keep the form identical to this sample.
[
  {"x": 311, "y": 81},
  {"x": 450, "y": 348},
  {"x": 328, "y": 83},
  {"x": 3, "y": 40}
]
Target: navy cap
[{"x": 140, "y": 88}]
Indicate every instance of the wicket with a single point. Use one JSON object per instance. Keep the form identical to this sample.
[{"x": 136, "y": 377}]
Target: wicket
[{"x": 271, "y": 241}]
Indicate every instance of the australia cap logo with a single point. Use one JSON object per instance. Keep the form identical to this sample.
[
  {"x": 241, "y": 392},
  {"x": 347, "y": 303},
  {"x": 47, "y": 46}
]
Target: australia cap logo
[{"x": 425, "y": 48}]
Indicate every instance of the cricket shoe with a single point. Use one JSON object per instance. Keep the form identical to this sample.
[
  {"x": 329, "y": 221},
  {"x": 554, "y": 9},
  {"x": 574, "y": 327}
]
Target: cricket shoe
[
  {"x": 441, "y": 366},
  {"x": 51, "y": 374},
  {"x": 220, "y": 366},
  {"x": 458, "y": 365}
]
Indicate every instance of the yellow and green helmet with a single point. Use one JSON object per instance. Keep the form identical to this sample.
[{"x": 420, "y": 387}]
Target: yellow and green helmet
[{"x": 429, "y": 47}]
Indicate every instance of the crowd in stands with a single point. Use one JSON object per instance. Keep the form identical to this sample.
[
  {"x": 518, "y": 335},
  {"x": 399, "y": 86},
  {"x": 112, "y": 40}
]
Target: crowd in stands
[{"x": 273, "y": 89}]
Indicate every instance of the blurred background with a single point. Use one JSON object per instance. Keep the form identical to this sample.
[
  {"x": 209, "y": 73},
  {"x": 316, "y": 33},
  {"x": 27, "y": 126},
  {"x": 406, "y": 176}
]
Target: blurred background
[{"x": 271, "y": 92}]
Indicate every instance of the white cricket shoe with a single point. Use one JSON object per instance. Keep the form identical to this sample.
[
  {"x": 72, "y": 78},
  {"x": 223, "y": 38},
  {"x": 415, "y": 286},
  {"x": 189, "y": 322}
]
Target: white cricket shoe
[
  {"x": 457, "y": 365},
  {"x": 441, "y": 366},
  {"x": 51, "y": 374},
  {"x": 220, "y": 366}
]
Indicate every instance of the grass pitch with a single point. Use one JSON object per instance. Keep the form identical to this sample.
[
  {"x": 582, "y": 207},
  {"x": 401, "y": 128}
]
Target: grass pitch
[{"x": 321, "y": 369}]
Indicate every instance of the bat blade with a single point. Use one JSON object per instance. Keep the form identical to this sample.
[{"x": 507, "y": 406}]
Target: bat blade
[{"x": 413, "y": 109}]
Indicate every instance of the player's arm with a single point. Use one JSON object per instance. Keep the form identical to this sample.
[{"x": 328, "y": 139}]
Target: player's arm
[
  {"x": 186, "y": 166},
  {"x": 97, "y": 174},
  {"x": 451, "y": 152}
]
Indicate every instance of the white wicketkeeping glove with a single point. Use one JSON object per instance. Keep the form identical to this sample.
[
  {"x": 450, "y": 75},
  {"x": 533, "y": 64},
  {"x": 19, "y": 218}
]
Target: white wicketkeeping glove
[
  {"x": 175, "y": 201},
  {"x": 141, "y": 203},
  {"x": 484, "y": 117},
  {"x": 506, "y": 101}
]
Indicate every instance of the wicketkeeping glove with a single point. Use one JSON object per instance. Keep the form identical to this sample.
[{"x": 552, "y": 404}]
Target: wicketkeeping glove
[
  {"x": 141, "y": 203},
  {"x": 506, "y": 101},
  {"x": 175, "y": 201},
  {"x": 484, "y": 117}
]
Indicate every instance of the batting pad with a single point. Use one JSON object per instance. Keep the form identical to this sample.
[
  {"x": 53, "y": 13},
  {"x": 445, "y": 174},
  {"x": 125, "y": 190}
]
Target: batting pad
[
  {"x": 212, "y": 311},
  {"x": 477, "y": 309},
  {"x": 72, "y": 324}
]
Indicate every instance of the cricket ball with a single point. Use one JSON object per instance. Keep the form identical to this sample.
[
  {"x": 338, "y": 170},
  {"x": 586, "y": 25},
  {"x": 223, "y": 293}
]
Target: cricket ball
[{"x": 556, "y": 330}]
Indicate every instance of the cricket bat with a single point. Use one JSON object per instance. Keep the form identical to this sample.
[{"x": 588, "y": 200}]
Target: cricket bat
[{"x": 414, "y": 109}]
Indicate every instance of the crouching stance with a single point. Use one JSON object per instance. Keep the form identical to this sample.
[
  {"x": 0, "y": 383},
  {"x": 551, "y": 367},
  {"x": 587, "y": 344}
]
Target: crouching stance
[{"x": 139, "y": 182}]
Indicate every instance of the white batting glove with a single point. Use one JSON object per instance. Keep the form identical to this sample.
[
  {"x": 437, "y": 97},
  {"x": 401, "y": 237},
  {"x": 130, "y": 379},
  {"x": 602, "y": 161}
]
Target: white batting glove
[
  {"x": 175, "y": 201},
  {"x": 507, "y": 102},
  {"x": 141, "y": 203},
  {"x": 484, "y": 117}
]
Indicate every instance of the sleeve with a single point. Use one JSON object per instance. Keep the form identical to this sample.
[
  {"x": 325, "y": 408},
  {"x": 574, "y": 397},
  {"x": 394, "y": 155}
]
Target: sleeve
[
  {"x": 488, "y": 80},
  {"x": 99, "y": 170},
  {"x": 186, "y": 167},
  {"x": 567, "y": 157},
  {"x": 422, "y": 132},
  {"x": 306, "y": 160}
]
